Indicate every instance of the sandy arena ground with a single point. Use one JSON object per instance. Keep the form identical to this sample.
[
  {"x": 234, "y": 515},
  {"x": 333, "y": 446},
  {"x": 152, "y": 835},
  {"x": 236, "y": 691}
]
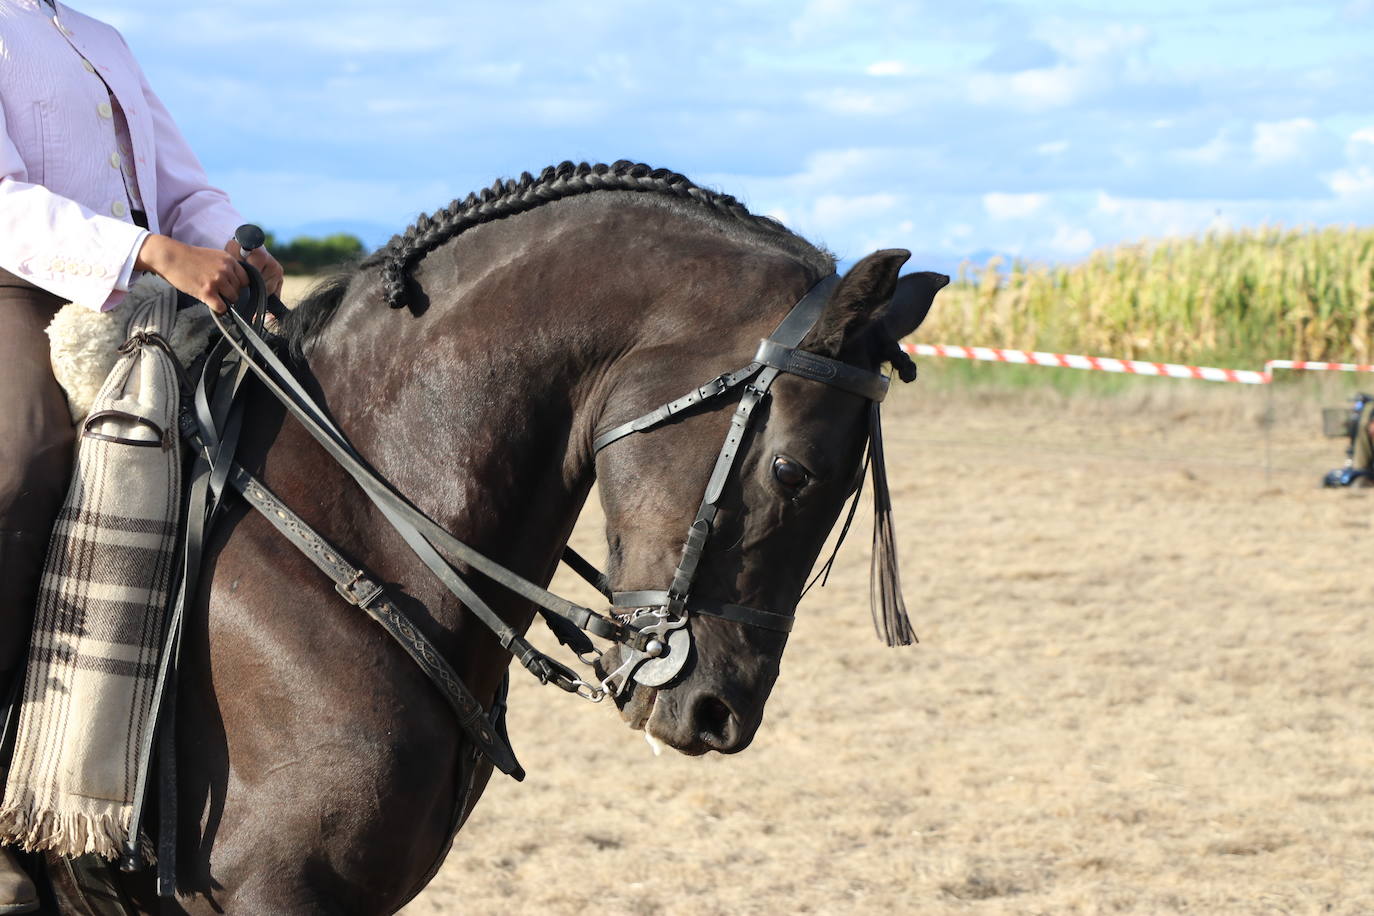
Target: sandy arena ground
[{"x": 1143, "y": 686}]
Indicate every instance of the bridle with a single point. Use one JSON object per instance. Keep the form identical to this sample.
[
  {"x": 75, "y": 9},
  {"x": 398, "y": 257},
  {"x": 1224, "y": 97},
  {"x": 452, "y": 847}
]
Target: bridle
[{"x": 663, "y": 614}]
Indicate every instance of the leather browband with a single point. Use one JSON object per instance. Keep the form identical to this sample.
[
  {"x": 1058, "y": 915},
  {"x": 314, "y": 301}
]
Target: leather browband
[{"x": 865, "y": 384}]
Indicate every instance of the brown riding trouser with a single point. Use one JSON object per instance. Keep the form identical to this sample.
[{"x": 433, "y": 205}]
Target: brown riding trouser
[{"x": 36, "y": 451}]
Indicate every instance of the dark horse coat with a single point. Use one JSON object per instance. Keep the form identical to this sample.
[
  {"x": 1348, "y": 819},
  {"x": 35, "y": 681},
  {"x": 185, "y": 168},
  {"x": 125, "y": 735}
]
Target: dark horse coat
[{"x": 321, "y": 772}]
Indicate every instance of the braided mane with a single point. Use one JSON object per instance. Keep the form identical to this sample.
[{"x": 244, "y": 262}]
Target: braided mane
[
  {"x": 398, "y": 257},
  {"x": 509, "y": 197}
]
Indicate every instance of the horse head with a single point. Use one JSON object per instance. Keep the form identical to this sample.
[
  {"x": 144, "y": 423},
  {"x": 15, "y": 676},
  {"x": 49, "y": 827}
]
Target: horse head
[{"x": 799, "y": 457}]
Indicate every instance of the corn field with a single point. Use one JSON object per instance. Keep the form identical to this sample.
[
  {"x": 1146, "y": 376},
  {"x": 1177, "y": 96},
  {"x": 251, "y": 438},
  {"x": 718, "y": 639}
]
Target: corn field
[{"x": 1234, "y": 298}]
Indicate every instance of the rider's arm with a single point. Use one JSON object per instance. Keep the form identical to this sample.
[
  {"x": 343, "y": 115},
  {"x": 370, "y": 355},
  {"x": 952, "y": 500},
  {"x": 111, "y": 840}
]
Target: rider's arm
[
  {"x": 56, "y": 243},
  {"x": 189, "y": 209}
]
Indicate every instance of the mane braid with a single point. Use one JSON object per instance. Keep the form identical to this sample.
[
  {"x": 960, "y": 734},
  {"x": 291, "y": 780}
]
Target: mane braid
[{"x": 506, "y": 198}]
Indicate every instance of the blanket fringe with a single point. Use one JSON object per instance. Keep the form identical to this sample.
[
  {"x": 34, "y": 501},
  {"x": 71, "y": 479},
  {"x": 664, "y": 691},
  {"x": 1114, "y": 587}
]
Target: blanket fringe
[{"x": 69, "y": 833}]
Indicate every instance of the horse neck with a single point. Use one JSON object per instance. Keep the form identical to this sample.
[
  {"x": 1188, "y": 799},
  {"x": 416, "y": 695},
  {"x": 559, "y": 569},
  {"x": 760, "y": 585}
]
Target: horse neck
[
  {"x": 471, "y": 417},
  {"x": 481, "y": 408}
]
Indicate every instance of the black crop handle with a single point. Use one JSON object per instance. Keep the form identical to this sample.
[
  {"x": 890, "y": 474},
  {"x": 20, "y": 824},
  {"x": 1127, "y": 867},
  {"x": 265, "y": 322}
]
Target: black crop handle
[{"x": 249, "y": 237}]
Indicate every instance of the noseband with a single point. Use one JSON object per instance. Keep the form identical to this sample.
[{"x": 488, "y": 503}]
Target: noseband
[{"x": 662, "y": 615}]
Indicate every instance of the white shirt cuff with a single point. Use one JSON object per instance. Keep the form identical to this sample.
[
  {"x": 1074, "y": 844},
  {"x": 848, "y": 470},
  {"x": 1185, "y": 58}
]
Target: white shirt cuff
[{"x": 126, "y": 273}]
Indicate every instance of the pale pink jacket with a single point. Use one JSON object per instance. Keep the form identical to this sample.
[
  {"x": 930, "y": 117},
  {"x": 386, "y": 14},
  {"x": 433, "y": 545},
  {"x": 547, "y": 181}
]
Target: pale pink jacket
[{"x": 64, "y": 215}]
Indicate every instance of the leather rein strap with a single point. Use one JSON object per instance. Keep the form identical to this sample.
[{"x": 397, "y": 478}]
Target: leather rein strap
[{"x": 643, "y": 637}]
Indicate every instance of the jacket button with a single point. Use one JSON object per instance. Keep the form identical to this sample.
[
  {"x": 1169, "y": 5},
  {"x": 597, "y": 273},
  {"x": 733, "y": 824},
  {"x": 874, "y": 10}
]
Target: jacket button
[
  {"x": 115, "y": 159},
  {"x": 118, "y": 208},
  {"x": 87, "y": 64},
  {"x": 105, "y": 110}
]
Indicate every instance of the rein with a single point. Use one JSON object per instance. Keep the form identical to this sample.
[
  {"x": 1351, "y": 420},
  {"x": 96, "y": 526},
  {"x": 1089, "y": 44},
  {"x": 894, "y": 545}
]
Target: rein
[{"x": 653, "y": 627}]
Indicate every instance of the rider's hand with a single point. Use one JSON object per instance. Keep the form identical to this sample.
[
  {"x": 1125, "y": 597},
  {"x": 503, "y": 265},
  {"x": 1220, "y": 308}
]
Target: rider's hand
[
  {"x": 272, "y": 273},
  {"x": 214, "y": 277}
]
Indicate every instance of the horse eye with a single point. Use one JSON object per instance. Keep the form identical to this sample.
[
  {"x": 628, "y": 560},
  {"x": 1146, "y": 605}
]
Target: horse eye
[{"x": 789, "y": 473}]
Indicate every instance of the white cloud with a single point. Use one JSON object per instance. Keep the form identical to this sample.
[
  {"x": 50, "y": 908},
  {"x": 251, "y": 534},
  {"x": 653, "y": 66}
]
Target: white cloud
[
  {"x": 1071, "y": 241},
  {"x": 1092, "y": 62},
  {"x": 886, "y": 68},
  {"x": 1359, "y": 149},
  {"x": 1053, "y": 148},
  {"x": 1142, "y": 218},
  {"x": 1217, "y": 149},
  {"x": 1000, "y": 206},
  {"x": 832, "y": 210},
  {"x": 1035, "y": 90},
  {"x": 1111, "y": 42},
  {"x": 1356, "y": 180},
  {"x": 280, "y": 198},
  {"x": 1283, "y": 141},
  {"x": 851, "y": 102},
  {"x": 1352, "y": 182},
  {"x": 819, "y": 16}
]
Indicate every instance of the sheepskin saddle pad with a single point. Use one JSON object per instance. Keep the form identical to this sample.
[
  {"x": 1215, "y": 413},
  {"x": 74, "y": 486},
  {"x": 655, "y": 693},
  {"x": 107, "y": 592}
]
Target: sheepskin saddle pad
[{"x": 85, "y": 343}]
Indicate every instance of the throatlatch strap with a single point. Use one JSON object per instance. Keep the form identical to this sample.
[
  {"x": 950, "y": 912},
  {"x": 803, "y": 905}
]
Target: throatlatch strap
[{"x": 714, "y": 388}]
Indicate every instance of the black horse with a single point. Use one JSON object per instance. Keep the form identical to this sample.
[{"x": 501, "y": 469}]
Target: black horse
[{"x": 320, "y": 771}]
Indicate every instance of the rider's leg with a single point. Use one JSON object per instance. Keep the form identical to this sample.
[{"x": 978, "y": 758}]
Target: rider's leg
[{"x": 36, "y": 448}]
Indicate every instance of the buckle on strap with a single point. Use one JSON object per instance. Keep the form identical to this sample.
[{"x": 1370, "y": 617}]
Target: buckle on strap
[{"x": 360, "y": 590}]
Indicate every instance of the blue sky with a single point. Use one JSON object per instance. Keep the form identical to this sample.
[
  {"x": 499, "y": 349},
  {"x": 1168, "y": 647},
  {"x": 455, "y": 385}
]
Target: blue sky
[{"x": 1037, "y": 129}]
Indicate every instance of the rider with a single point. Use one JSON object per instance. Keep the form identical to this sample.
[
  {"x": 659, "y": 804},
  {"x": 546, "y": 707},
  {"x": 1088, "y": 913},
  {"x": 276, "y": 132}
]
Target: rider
[{"x": 97, "y": 186}]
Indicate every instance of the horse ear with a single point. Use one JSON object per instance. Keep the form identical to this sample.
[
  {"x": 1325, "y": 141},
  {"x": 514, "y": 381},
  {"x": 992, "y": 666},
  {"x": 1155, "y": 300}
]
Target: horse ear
[
  {"x": 863, "y": 291},
  {"x": 911, "y": 302}
]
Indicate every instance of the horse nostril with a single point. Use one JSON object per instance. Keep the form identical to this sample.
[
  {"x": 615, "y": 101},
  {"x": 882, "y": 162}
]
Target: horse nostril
[{"x": 716, "y": 723}]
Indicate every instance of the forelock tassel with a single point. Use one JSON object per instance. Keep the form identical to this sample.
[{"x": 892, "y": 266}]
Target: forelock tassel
[{"x": 885, "y": 583}]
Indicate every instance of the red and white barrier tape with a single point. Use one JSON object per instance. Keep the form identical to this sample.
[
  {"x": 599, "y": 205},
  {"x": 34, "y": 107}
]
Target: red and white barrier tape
[
  {"x": 1302, "y": 364},
  {"x": 1128, "y": 366}
]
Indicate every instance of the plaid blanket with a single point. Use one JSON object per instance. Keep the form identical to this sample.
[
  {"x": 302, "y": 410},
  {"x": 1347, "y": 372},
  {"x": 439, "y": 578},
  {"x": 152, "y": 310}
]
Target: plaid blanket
[{"x": 88, "y": 693}]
